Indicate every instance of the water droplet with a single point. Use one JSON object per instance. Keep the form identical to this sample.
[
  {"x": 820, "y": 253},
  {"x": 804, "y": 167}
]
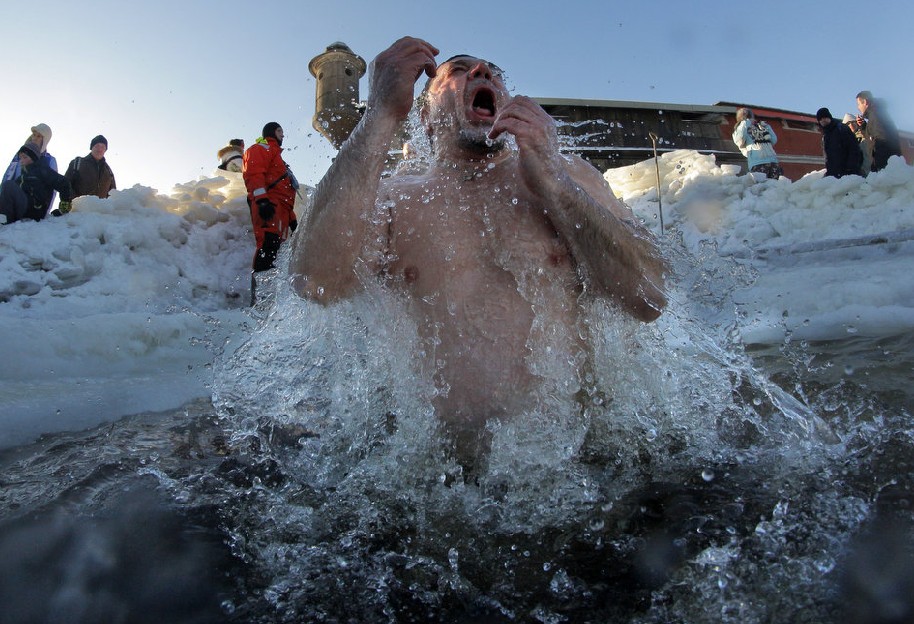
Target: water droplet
[
  {"x": 707, "y": 474},
  {"x": 848, "y": 370},
  {"x": 452, "y": 558}
]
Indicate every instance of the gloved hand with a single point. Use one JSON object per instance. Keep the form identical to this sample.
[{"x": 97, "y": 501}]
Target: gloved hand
[
  {"x": 64, "y": 207},
  {"x": 266, "y": 209},
  {"x": 293, "y": 225}
]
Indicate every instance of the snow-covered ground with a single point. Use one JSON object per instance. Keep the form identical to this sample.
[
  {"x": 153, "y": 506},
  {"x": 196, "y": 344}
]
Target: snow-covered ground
[
  {"x": 826, "y": 258},
  {"x": 120, "y": 306}
]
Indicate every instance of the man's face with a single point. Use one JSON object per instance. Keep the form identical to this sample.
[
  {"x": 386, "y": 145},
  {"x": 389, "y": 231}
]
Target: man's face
[
  {"x": 279, "y": 135},
  {"x": 466, "y": 94},
  {"x": 862, "y": 105},
  {"x": 98, "y": 151},
  {"x": 825, "y": 121},
  {"x": 24, "y": 159},
  {"x": 37, "y": 138}
]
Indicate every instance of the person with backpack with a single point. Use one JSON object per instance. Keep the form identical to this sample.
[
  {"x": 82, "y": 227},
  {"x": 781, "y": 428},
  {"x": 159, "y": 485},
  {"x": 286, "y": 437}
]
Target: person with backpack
[
  {"x": 41, "y": 136},
  {"x": 231, "y": 157},
  {"x": 91, "y": 174},
  {"x": 756, "y": 139},
  {"x": 271, "y": 197},
  {"x": 28, "y": 195}
]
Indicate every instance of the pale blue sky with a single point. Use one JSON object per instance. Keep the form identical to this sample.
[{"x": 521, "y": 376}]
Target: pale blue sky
[{"x": 169, "y": 82}]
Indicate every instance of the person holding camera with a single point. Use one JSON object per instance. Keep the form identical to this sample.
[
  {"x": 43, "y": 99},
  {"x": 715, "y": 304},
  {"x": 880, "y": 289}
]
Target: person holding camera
[
  {"x": 755, "y": 139},
  {"x": 878, "y": 128}
]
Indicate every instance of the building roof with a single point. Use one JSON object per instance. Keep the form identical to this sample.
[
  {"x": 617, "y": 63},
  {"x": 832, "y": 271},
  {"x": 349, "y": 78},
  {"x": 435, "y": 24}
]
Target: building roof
[{"x": 691, "y": 108}]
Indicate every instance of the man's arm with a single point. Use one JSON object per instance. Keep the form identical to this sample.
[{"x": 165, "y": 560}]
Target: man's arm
[
  {"x": 329, "y": 246},
  {"x": 618, "y": 255}
]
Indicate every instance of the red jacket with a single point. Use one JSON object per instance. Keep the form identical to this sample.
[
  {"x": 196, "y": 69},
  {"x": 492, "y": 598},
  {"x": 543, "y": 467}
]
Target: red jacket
[{"x": 267, "y": 175}]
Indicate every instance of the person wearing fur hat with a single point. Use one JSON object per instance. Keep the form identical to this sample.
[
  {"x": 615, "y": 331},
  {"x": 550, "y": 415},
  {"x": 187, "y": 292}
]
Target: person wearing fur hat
[
  {"x": 28, "y": 195},
  {"x": 91, "y": 174},
  {"x": 842, "y": 153},
  {"x": 756, "y": 139},
  {"x": 41, "y": 136},
  {"x": 271, "y": 196},
  {"x": 231, "y": 157}
]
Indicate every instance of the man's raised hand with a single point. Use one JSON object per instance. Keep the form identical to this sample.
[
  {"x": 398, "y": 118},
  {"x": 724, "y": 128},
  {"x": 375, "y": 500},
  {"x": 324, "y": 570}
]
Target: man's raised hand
[{"x": 394, "y": 73}]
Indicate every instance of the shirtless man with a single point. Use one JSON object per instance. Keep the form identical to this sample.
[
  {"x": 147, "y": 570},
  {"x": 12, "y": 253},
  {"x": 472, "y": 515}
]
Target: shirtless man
[{"x": 489, "y": 246}]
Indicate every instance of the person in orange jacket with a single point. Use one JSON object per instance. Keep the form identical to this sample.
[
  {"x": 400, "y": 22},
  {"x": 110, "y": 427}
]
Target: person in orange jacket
[{"x": 271, "y": 190}]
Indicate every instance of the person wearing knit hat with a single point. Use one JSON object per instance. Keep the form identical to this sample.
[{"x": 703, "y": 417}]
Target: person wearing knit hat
[
  {"x": 29, "y": 195},
  {"x": 32, "y": 150},
  {"x": 40, "y": 136},
  {"x": 271, "y": 197},
  {"x": 270, "y": 131},
  {"x": 91, "y": 174},
  {"x": 842, "y": 152}
]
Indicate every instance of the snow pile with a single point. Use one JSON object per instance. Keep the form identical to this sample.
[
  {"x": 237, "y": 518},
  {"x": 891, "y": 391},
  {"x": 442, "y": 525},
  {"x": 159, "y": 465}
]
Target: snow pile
[
  {"x": 121, "y": 305},
  {"x": 831, "y": 257}
]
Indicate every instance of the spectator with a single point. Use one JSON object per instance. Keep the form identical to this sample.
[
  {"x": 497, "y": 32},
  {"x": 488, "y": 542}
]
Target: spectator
[
  {"x": 90, "y": 174},
  {"x": 755, "y": 139},
  {"x": 842, "y": 152},
  {"x": 878, "y": 128},
  {"x": 27, "y": 196},
  {"x": 866, "y": 146},
  {"x": 231, "y": 157},
  {"x": 41, "y": 136},
  {"x": 271, "y": 197}
]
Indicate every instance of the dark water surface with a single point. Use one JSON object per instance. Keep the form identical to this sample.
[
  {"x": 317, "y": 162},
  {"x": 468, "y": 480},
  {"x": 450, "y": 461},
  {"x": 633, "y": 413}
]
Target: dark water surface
[{"x": 169, "y": 518}]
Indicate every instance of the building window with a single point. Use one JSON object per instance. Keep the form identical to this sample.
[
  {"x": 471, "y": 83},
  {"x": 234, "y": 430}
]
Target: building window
[{"x": 806, "y": 126}]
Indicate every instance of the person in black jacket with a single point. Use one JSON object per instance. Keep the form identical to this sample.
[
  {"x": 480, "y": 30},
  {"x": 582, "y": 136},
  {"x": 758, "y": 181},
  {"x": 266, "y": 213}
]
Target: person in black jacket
[
  {"x": 842, "y": 152},
  {"x": 28, "y": 196}
]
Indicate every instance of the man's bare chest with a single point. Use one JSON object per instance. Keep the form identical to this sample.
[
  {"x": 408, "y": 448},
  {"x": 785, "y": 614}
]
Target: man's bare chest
[{"x": 462, "y": 238}]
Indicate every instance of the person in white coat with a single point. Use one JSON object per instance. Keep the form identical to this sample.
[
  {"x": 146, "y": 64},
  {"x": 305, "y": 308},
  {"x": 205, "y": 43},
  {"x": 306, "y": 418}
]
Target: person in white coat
[
  {"x": 41, "y": 136},
  {"x": 231, "y": 157},
  {"x": 755, "y": 139}
]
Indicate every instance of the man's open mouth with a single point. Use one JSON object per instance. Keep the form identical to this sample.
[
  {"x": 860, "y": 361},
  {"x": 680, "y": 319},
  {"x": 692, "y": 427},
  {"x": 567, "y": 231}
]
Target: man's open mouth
[{"x": 483, "y": 104}]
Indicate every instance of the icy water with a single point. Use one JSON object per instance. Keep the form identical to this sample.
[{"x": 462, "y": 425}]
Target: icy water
[{"x": 704, "y": 481}]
